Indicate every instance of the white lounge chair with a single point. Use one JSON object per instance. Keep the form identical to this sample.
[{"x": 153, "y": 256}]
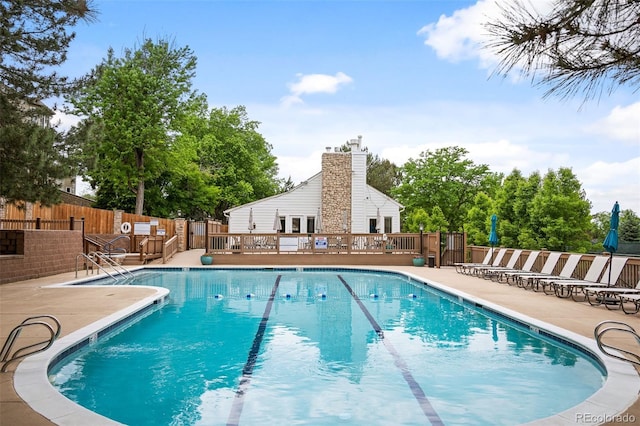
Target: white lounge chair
[
  {"x": 475, "y": 270},
  {"x": 484, "y": 270},
  {"x": 630, "y": 298},
  {"x": 542, "y": 282},
  {"x": 610, "y": 295},
  {"x": 594, "y": 276},
  {"x": 461, "y": 266},
  {"x": 519, "y": 277},
  {"x": 469, "y": 268},
  {"x": 498, "y": 274}
]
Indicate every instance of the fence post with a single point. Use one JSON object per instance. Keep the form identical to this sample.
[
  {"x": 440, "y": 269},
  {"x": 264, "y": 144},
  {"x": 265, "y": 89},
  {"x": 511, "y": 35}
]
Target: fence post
[{"x": 206, "y": 236}]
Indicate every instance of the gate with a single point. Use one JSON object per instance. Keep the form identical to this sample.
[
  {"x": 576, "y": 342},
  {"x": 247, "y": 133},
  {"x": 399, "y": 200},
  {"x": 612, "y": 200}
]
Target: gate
[
  {"x": 451, "y": 248},
  {"x": 197, "y": 234}
]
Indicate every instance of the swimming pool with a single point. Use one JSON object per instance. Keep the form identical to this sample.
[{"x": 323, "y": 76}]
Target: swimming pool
[{"x": 322, "y": 347}]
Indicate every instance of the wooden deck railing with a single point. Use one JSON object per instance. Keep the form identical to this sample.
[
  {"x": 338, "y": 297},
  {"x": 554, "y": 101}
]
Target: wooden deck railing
[
  {"x": 169, "y": 248},
  {"x": 315, "y": 243}
]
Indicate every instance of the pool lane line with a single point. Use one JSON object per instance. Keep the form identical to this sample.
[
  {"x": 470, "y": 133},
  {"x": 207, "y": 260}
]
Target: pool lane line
[
  {"x": 247, "y": 371},
  {"x": 417, "y": 391}
]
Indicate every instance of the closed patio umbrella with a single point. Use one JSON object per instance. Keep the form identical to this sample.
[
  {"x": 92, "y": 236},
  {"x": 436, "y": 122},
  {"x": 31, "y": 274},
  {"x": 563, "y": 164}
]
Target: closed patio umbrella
[
  {"x": 250, "y": 220},
  {"x": 493, "y": 235},
  {"x": 318, "y": 222},
  {"x": 611, "y": 241},
  {"x": 378, "y": 221},
  {"x": 276, "y": 222}
]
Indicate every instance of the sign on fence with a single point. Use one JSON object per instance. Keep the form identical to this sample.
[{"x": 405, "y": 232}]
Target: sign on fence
[
  {"x": 142, "y": 228},
  {"x": 321, "y": 243}
]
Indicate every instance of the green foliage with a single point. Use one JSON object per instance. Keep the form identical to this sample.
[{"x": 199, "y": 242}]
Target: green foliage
[
  {"x": 31, "y": 167},
  {"x": 576, "y": 46},
  {"x": 559, "y": 214},
  {"x": 629, "y": 230},
  {"x": 437, "y": 221},
  {"x": 382, "y": 174},
  {"x": 478, "y": 223},
  {"x": 34, "y": 39},
  {"x": 139, "y": 100},
  {"x": 443, "y": 179},
  {"x": 236, "y": 156}
]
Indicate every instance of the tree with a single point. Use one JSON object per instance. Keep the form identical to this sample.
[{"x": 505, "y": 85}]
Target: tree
[
  {"x": 629, "y": 226},
  {"x": 444, "y": 179},
  {"x": 579, "y": 46},
  {"x": 34, "y": 39},
  {"x": 139, "y": 100},
  {"x": 236, "y": 156},
  {"x": 478, "y": 221},
  {"x": 506, "y": 202},
  {"x": 382, "y": 174},
  {"x": 560, "y": 215}
]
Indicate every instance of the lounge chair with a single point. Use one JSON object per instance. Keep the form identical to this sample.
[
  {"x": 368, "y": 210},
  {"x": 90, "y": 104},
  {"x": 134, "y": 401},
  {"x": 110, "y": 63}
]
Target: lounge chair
[
  {"x": 475, "y": 270},
  {"x": 573, "y": 288},
  {"x": 520, "y": 277},
  {"x": 498, "y": 274},
  {"x": 469, "y": 268},
  {"x": 610, "y": 295},
  {"x": 631, "y": 298},
  {"x": 543, "y": 283},
  {"x": 461, "y": 266},
  {"x": 484, "y": 270}
]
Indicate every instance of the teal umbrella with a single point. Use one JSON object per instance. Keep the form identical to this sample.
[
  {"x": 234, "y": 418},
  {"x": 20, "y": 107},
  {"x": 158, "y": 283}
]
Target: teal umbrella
[
  {"x": 493, "y": 235},
  {"x": 611, "y": 241}
]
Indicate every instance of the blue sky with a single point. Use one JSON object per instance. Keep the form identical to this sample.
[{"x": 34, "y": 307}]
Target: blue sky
[{"x": 406, "y": 75}]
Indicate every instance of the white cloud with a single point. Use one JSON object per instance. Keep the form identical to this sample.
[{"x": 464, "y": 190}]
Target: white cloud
[
  {"x": 623, "y": 124},
  {"x": 64, "y": 121},
  {"x": 602, "y": 183},
  {"x": 462, "y": 35},
  {"x": 314, "y": 83}
]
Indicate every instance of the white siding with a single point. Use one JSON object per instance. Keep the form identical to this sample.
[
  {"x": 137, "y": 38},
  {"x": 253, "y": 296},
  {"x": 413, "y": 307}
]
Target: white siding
[
  {"x": 359, "y": 221},
  {"x": 302, "y": 201}
]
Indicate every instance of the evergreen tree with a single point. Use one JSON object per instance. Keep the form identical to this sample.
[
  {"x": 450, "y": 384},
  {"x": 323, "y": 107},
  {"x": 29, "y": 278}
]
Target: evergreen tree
[
  {"x": 579, "y": 46},
  {"x": 34, "y": 38}
]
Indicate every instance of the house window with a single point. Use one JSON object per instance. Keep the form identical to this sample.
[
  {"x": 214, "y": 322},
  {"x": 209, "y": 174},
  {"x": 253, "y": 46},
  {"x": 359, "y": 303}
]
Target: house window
[
  {"x": 295, "y": 225},
  {"x": 387, "y": 224},
  {"x": 373, "y": 228},
  {"x": 311, "y": 224},
  {"x": 283, "y": 222}
]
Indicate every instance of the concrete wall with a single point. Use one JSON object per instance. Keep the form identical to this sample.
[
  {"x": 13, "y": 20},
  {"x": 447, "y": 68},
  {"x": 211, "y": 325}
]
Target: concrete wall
[{"x": 45, "y": 253}]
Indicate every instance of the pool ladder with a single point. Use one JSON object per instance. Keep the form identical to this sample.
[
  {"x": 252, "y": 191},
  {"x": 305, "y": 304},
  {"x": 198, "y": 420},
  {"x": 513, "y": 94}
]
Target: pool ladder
[
  {"x": 616, "y": 326},
  {"x": 94, "y": 257},
  {"x": 49, "y": 322}
]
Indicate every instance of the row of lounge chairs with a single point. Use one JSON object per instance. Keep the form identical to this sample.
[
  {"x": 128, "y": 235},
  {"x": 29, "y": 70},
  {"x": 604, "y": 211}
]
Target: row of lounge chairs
[{"x": 597, "y": 286}]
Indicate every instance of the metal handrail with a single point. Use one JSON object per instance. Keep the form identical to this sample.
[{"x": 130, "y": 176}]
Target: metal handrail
[
  {"x": 114, "y": 265},
  {"x": 5, "y": 353},
  {"x": 622, "y": 327},
  {"x": 93, "y": 262},
  {"x": 108, "y": 246}
]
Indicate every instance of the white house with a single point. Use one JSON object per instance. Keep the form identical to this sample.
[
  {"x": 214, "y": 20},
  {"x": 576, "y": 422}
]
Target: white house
[{"x": 336, "y": 200}]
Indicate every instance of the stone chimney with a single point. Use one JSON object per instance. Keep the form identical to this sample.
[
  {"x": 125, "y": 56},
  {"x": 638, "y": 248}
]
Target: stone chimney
[{"x": 336, "y": 192}]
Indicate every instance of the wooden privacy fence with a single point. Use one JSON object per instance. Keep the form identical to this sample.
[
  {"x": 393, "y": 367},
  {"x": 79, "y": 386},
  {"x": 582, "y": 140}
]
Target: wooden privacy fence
[{"x": 96, "y": 221}]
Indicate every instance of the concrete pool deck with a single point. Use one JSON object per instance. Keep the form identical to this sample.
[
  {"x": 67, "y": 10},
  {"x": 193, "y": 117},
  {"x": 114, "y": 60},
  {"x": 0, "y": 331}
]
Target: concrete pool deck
[{"x": 78, "y": 307}]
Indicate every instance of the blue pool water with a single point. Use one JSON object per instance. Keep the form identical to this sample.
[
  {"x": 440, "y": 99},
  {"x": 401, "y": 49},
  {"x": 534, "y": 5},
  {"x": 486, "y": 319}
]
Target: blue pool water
[{"x": 262, "y": 347}]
